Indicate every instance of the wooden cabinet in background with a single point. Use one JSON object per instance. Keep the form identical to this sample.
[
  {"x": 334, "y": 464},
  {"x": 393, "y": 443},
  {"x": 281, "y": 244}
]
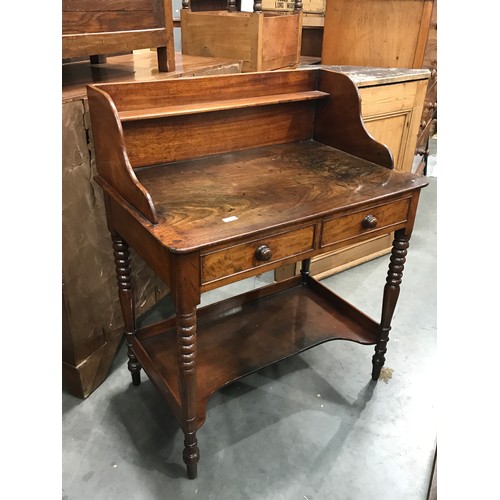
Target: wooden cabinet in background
[
  {"x": 428, "y": 122},
  {"x": 384, "y": 33},
  {"x": 391, "y": 103},
  {"x": 97, "y": 28}
]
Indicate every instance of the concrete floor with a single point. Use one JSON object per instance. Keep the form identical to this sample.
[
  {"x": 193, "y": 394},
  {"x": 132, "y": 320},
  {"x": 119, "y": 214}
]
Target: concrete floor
[{"x": 311, "y": 427}]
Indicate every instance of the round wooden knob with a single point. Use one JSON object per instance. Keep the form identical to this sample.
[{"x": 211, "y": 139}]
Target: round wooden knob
[
  {"x": 263, "y": 253},
  {"x": 423, "y": 124},
  {"x": 369, "y": 222},
  {"x": 430, "y": 105}
]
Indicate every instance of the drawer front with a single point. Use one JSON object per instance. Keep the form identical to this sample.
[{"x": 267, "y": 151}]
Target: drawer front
[
  {"x": 256, "y": 253},
  {"x": 384, "y": 99},
  {"x": 366, "y": 221}
]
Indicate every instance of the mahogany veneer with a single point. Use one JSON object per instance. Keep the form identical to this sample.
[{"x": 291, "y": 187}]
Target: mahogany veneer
[{"x": 210, "y": 187}]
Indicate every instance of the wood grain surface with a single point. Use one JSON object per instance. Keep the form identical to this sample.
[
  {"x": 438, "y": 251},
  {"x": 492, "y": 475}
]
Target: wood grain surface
[{"x": 251, "y": 185}]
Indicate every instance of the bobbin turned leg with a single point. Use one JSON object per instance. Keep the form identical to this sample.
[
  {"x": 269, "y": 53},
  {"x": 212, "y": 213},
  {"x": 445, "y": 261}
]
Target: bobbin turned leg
[
  {"x": 391, "y": 294},
  {"x": 186, "y": 295},
  {"x": 305, "y": 270},
  {"x": 186, "y": 346},
  {"x": 126, "y": 295}
]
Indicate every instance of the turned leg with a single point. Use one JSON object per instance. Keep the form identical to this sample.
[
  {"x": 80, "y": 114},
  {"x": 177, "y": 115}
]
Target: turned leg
[
  {"x": 305, "y": 269},
  {"x": 126, "y": 296},
  {"x": 186, "y": 346},
  {"x": 391, "y": 294},
  {"x": 98, "y": 59}
]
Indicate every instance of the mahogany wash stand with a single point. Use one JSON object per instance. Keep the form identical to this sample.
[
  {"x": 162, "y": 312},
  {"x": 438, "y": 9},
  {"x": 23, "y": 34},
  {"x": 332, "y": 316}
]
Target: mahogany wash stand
[{"x": 215, "y": 179}]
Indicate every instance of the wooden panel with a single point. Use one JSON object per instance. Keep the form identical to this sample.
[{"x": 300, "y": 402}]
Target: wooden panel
[
  {"x": 183, "y": 137},
  {"x": 386, "y": 33},
  {"x": 332, "y": 128},
  {"x": 111, "y": 156},
  {"x": 104, "y": 21},
  {"x": 312, "y": 41},
  {"x": 391, "y": 114},
  {"x": 262, "y": 41},
  {"x": 218, "y": 34},
  {"x": 176, "y": 92},
  {"x": 346, "y": 257},
  {"x": 98, "y": 43},
  {"x": 99, "y": 16},
  {"x": 281, "y": 36},
  {"x": 240, "y": 258},
  {"x": 388, "y": 98},
  {"x": 107, "y": 5},
  {"x": 392, "y": 131},
  {"x": 93, "y": 28},
  {"x": 341, "y": 229}
]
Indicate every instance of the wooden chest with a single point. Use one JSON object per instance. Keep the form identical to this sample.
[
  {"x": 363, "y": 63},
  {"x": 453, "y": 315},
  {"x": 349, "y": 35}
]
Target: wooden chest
[{"x": 261, "y": 40}]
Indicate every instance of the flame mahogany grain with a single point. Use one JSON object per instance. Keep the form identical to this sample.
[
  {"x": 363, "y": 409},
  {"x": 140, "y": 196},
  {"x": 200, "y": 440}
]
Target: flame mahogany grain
[{"x": 214, "y": 179}]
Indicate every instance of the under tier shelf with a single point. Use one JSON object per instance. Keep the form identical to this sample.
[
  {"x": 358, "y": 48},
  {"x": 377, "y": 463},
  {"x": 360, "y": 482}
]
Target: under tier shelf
[{"x": 242, "y": 334}]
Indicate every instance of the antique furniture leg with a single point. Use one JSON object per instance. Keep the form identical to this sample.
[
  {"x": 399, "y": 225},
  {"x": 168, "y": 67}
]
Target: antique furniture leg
[
  {"x": 98, "y": 59},
  {"x": 186, "y": 348},
  {"x": 305, "y": 269},
  {"x": 186, "y": 296},
  {"x": 126, "y": 295},
  {"x": 391, "y": 294}
]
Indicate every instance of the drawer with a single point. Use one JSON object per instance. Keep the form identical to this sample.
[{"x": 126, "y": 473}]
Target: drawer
[
  {"x": 368, "y": 221},
  {"x": 256, "y": 253},
  {"x": 385, "y": 99}
]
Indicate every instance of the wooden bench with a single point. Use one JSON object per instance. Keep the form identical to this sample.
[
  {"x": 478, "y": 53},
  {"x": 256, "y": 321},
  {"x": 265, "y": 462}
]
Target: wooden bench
[{"x": 215, "y": 179}]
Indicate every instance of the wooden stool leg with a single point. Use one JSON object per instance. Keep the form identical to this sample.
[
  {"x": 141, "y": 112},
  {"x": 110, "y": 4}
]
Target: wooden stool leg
[
  {"x": 126, "y": 295},
  {"x": 391, "y": 293},
  {"x": 186, "y": 346}
]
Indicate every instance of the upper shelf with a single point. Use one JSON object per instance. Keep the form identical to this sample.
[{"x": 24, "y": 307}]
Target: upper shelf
[{"x": 218, "y": 105}]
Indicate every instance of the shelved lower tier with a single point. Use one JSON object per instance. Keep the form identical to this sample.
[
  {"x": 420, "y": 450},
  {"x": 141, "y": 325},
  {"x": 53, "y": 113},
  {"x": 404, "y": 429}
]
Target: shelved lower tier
[{"x": 242, "y": 334}]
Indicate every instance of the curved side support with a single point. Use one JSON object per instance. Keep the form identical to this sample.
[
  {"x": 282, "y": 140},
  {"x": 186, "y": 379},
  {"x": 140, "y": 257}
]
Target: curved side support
[
  {"x": 338, "y": 121},
  {"x": 111, "y": 154}
]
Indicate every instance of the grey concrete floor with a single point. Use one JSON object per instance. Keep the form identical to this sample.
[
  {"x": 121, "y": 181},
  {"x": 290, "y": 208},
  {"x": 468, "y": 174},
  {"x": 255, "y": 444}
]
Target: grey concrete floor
[{"x": 311, "y": 427}]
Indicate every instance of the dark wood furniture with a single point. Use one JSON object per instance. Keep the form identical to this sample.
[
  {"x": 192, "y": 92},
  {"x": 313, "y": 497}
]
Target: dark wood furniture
[
  {"x": 96, "y": 28},
  {"x": 210, "y": 187},
  {"x": 391, "y": 105},
  {"x": 92, "y": 320}
]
